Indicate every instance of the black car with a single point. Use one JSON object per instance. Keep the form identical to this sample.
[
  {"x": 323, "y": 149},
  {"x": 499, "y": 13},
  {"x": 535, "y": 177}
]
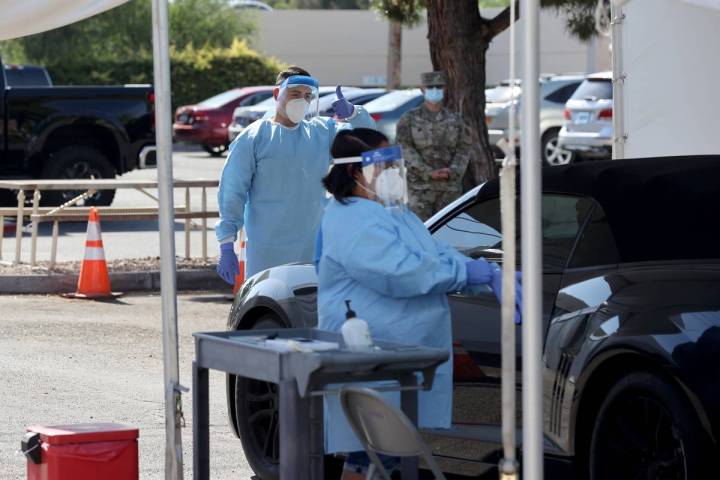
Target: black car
[
  {"x": 631, "y": 292},
  {"x": 72, "y": 132}
]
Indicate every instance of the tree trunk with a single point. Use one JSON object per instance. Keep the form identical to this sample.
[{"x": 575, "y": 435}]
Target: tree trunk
[
  {"x": 459, "y": 38},
  {"x": 394, "y": 65}
]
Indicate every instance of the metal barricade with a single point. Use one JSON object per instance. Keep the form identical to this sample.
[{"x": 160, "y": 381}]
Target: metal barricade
[{"x": 70, "y": 212}]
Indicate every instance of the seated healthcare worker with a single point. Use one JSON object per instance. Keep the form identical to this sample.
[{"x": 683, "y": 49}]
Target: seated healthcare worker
[{"x": 378, "y": 254}]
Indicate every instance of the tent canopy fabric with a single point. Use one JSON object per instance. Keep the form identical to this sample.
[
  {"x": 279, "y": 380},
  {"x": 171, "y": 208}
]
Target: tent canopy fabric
[{"x": 27, "y": 17}]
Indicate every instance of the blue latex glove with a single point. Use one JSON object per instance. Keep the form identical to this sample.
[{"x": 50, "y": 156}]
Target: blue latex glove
[
  {"x": 343, "y": 109},
  {"x": 227, "y": 266},
  {"x": 496, "y": 286},
  {"x": 479, "y": 272}
]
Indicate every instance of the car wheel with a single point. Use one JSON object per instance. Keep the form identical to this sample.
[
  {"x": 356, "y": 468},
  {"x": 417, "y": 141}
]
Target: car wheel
[
  {"x": 552, "y": 153},
  {"x": 256, "y": 410},
  {"x": 215, "y": 150},
  {"x": 646, "y": 429},
  {"x": 75, "y": 163}
]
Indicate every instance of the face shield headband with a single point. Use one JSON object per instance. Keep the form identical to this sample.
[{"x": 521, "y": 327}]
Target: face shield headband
[
  {"x": 298, "y": 98},
  {"x": 384, "y": 173}
]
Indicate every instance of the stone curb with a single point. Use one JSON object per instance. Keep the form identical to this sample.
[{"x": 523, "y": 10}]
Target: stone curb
[{"x": 120, "y": 282}]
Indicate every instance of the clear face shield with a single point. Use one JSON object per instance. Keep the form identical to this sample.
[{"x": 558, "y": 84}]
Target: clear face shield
[
  {"x": 298, "y": 98},
  {"x": 383, "y": 175}
]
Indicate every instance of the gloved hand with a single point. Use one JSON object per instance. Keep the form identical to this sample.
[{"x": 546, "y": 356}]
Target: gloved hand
[
  {"x": 227, "y": 266},
  {"x": 479, "y": 272},
  {"x": 496, "y": 286},
  {"x": 343, "y": 109}
]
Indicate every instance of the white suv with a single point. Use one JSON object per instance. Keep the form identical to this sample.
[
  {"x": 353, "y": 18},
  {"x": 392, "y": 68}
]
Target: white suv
[
  {"x": 588, "y": 127},
  {"x": 555, "y": 90}
]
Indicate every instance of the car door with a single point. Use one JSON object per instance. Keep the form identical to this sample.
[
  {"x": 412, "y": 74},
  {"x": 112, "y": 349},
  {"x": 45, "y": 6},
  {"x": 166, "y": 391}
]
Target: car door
[{"x": 475, "y": 231}]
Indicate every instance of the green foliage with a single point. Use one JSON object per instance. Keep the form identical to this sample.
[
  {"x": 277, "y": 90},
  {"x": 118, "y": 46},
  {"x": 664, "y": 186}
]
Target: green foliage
[
  {"x": 115, "y": 48},
  {"x": 320, "y": 4},
  {"x": 125, "y": 32},
  {"x": 196, "y": 74},
  {"x": 407, "y": 12},
  {"x": 579, "y": 15}
]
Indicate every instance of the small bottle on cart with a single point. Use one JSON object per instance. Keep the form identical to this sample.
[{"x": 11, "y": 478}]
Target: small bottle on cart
[{"x": 355, "y": 332}]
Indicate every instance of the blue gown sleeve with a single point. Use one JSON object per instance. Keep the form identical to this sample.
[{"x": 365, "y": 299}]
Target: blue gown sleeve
[
  {"x": 362, "y": 119},
  {"x": 379, "y": 260},
  {"x": 235, "y": 182}
]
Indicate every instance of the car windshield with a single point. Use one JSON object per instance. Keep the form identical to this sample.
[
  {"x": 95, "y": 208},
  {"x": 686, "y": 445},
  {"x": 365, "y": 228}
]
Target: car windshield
[
  {"x": 26, "y": 77},
  {"x": 219, "y": 100},
  {"x": 268, "y": 102},
  {"x": 594, "y": 89},
  {"x": 392, "y": 100},
  {"x": 502, "y": 94}
]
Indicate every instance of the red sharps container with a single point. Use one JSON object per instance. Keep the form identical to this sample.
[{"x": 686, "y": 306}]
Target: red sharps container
[{"x": 96, "y": 451}]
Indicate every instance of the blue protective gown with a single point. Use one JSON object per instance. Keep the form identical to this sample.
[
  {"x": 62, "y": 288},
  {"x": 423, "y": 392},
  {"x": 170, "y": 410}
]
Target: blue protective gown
[
  {"x": 271, "y": 184},
  {"x": 398, "y": 277}
]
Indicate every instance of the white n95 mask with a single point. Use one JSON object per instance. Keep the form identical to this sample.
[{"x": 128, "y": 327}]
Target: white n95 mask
[
  {"x": 295, "y": 109},
  {"x": 390, "y": 186}
]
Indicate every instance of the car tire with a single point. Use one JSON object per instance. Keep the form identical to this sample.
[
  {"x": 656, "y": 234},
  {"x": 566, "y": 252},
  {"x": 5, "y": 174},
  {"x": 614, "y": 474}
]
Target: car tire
[
  {"x": 215, "y": 150},
  {"x": 647, "y": 428},
  {"x": 552, "y": 154},
  {"x": 259, "y": 432},
  {"x": 75, "y": 163}
]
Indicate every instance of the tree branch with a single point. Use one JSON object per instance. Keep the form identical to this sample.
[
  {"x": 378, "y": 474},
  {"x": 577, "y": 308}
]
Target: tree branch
[{"x": 500, "y": 22}]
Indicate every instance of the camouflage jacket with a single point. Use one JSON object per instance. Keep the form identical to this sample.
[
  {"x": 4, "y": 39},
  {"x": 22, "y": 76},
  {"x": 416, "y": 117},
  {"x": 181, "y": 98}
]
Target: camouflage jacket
[{"x": 432, "y": 141}]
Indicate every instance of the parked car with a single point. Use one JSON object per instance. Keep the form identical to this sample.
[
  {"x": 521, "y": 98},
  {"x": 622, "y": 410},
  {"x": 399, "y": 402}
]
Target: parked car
[
  {"x": 75, "y": 132},
  {"x": 588, "y": 129},
  {"x": 555, "y": 90},
  {"x": 356, "y": 96},
  {"x": 251, "y": 4},
  {"x": 27, "y": 76},
  {"x": 631, "y": 323},
  {"x": 207, "y": 122},
  {"x": 244, "y": 116},
  {"x": 387, "y": 110}
]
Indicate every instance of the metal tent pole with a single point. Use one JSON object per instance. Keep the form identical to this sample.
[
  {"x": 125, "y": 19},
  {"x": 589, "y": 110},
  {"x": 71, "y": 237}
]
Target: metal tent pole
[
  {"x": 619, "y": 134},
  {"x": 508, "y": 465},
  {"x": 163, "y": 136},
  {"x": 531, "y": 198}
]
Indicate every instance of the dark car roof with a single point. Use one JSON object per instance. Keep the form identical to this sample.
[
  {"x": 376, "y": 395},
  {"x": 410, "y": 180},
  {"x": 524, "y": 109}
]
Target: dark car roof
[{"x": 663, "y": 208}]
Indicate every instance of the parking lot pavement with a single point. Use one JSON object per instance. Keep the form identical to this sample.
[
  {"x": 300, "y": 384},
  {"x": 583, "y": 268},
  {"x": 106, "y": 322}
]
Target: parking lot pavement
[
  {"x": 135, "y": 239},
  {"x": 73, "y": 361}
]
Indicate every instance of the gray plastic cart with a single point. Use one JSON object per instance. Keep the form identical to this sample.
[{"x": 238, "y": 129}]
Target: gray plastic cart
[{"x": 302, "y": 378}]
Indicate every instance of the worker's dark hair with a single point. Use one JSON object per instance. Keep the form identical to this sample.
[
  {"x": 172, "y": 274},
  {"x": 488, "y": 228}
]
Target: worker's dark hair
[
  {"x": 289, "y": 72},
  {"x": 340, "y": 182}
]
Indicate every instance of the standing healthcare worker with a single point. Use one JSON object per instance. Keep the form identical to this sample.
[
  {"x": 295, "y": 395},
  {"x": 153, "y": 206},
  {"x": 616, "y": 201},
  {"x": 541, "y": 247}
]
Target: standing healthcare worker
[
  {"x": 379, "y": 255},
  {"x": 271, "y": 182}
]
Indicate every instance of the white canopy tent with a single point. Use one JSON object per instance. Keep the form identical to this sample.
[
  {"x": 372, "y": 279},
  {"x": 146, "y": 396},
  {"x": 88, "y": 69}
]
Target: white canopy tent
[
  {"x": 34, "y": 16},
  {"x": 28, "y": 17},
  {"x": 665, "y": 58}
]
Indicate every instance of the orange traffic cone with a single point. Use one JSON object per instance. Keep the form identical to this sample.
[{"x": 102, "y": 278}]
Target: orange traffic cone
[
  {"x": 240, "y": 277},
  {"x": 94, "y": 281}
]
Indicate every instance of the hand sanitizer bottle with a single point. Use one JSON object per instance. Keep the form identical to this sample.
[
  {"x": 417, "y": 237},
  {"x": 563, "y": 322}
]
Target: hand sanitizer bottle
[{"x": 355, "y": 331}]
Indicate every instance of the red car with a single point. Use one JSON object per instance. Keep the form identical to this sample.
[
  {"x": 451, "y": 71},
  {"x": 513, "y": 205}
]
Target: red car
[{"x": 206, "y": 123}]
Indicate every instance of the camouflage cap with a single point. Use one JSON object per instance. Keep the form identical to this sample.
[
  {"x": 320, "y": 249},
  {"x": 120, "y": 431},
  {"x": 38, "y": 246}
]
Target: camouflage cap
[{"x": 432, "y": 79}]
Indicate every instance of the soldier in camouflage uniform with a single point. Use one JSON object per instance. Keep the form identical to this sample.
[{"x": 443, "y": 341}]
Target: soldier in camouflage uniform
[{"x": 436, "y": 147}]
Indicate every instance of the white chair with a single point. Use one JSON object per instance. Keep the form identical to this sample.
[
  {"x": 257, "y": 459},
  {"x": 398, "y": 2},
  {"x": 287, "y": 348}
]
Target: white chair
[{"x": 384, "y": 429}]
